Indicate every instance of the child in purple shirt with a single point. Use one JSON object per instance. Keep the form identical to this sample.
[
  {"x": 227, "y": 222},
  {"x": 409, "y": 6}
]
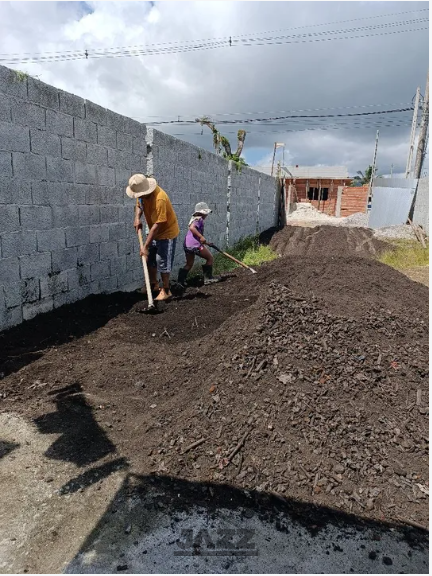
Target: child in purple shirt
[{"x": 194, "y": 245}]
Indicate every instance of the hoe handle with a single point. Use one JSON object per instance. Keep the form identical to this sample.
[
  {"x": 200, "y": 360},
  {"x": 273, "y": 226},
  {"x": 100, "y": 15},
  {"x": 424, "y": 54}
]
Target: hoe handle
[{"x": 146, "y": 273}]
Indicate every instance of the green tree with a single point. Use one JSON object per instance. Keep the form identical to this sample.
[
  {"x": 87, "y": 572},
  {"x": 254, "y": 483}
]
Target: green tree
[
  {"x": 362, "y": 178},
  {"x": 222, "y": 145}
]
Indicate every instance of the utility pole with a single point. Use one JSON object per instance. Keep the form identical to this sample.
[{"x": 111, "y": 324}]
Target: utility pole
[
  {"x": 413, "y": 133},
  {"x": 391, "y": 171},
  {"x": 373, "y": 167},
  {"x": 274, "y": 154},
  {"x": 424, "y": 125}
]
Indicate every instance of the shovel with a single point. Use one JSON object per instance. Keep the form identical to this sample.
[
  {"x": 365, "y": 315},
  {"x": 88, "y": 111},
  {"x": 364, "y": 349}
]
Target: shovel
[
  {"x": 151, "y": 308},
  {"x": 231, "y": 258}
]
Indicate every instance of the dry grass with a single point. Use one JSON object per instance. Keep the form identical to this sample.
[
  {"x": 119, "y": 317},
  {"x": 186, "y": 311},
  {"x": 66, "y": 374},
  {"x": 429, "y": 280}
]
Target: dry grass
[{"x": 405, "y": 254}]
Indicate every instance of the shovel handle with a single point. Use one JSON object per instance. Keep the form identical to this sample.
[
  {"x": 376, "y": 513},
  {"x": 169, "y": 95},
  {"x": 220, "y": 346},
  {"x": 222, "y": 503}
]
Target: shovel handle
[
  {"x": 146, "y": 273},
  {"x": 232, "y": 258}
]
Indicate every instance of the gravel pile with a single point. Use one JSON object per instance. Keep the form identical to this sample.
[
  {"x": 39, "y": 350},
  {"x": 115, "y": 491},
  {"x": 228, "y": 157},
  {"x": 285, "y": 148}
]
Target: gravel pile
[
  {"x": 402, "y": 232},
  {"x": 304, "y": 211}
]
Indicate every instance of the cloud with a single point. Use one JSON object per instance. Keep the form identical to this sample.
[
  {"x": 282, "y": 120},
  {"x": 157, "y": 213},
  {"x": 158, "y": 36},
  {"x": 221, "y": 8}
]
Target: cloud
[{"x": 248, "y": 81}]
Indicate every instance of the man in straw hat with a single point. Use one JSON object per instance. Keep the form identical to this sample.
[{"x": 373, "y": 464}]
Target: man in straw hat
[{"x": 159, "y": 247}]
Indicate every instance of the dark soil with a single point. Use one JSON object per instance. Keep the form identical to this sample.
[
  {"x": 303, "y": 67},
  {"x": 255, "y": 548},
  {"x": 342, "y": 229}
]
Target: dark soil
[
  {"x": 326, "y": 241},
  {"x": 315, "y": 364}
]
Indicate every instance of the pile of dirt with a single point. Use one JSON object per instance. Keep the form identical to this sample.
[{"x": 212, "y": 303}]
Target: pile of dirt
[
  {"x": 326, "y": 241},
  {"x": 319, "y": 407},
  {"x": 308, "y": 379}
]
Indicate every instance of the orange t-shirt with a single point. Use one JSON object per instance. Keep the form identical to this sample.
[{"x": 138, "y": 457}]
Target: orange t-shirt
[{"x": 158, "y": 209}]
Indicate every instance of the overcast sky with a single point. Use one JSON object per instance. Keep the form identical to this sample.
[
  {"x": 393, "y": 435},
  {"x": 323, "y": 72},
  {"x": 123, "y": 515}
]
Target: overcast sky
[{"x": 241, "y": 82}]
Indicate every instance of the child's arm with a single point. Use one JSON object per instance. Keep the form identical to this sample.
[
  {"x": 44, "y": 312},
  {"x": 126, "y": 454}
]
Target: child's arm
[{"x": 197, "y": 235}]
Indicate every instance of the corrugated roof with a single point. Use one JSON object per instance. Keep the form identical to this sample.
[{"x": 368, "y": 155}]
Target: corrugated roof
[{"x": 337, "y": 172}]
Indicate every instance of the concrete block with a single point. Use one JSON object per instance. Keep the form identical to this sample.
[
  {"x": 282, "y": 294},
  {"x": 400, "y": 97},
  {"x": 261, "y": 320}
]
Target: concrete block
[
  {"x": 94, "y": 194},
  {"x": 32, "y": 310},
  {"x": 79, "y": 277},
  {"x": 54, "y": 239},
  {"x": 124, "y": 141},
  {"x": 42, "y": 142},
  {"x": 99, "y": 271},
  {"x": 77, "y": 236},
  {"x": 36, "y": 217},
  {"x": 18, "y": 243},
  {"x": 105, "y": 176},
  {"x": 116, "y": 121},
  {"x": 139, "y": 146},
  {"x": 99, "y": 233},
  {"x": 85, "y": 130},
  {"x": 119, "y": 159},
  {"x": 106, "y": 136},
  {"x": 59, "y": 123},
  {"x": 88, "y": 254},
  {"x": 13, "y": 83},
  {"x": 9, "y": 218},
  {"x": 65, "y": 216},
  {"x": 14, "y": 138},
  {"x": 5, "y": 108},
  {"x": 88, "y": 215},
  {"x": 85, "y": 173},
  {"x": 64, "y": 259},
  {"x": 118, "y": 266},
  {"x": 117, "y": 231},
  {"x": 11, "y": 294},
  {"x": 29, "y": 115},
  {"x": 122, "y": 176},
  {"x": 72, "y": 149},
  {"x": 10, "y": 317},
  {"x": 43, "y": 94},
  {"x": 30, "y": 290},
  {"x": 95, "y": 287},
  {"x": 109, "y": 214},
  {"x": 138, "y": 164},
  {"x": 125, "y": 246},
  {"x": 137, "y": 129},
  {"x": 96, "y": 113},
  {"x": 114, "y": 195},
  {"x": 9, "y": 270},
  {"x": 71, "y": 104},
  {"x": 29, "y": 166},
  {"x": 108, "y": 285},
  {"x": 37, "y": 265},
  {"x": 54, "y": 284},
  {"x": 59, "y": 170},
  {"x": 97, "y": 155},
  {"x": 6, "y": 164},
  {"x": 108, "y": 250}
]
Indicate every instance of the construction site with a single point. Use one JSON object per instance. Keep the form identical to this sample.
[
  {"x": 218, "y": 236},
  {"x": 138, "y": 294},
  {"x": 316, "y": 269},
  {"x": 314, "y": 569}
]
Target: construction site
[{"x": 273, "y": 417}]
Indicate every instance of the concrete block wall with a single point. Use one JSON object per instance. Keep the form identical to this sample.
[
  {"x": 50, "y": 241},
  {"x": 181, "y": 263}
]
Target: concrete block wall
[
  {"x": 190, "y": 174},
  {"x": 65, "y": 221}
]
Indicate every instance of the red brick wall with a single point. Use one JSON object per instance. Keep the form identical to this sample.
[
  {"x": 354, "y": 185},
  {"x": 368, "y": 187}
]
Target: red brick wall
[
  {"x": 354, "y": 199},
  {"x": 328, "y": 206}
]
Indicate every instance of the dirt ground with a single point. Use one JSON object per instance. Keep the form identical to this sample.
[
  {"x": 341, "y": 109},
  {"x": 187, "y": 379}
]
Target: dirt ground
[{"x": 308, "y": 380}]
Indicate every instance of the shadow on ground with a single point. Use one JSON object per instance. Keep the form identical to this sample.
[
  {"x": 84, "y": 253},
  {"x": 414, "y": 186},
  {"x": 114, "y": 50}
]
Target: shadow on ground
[
  {"x": 23, "y": 344},
  {"x": 168, "y": 525},
  {"x": 7, "y": 447}
]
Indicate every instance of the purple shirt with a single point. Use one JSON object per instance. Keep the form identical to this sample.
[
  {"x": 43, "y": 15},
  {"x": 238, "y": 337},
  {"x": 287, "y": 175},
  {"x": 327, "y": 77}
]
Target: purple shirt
[{"x": 190, "y": 240}]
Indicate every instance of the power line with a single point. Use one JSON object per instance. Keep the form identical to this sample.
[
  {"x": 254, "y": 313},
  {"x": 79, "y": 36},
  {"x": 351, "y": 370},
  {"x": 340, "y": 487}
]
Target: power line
[
  {"x": 274, "y": 118},
  {"x": 248, "y": 42},
  {"x": 233, "y": 36}
]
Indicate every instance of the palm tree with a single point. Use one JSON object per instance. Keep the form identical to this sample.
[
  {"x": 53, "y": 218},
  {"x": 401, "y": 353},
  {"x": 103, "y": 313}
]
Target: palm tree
[
  {"x": 220, "y": 141},
  {"x": 363, "y": 178}
]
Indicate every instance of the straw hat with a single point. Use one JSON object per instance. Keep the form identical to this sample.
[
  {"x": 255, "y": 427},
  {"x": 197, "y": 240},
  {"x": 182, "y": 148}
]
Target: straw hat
[
  {"x": 139, "y": 186},
  {"x": 202, "y": 208}
]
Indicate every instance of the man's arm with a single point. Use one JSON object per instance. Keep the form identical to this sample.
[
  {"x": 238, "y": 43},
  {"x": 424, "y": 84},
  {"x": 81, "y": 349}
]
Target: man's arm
[
  {"x": 137, "y": 220},
  {"x": 150, "y": 236}
]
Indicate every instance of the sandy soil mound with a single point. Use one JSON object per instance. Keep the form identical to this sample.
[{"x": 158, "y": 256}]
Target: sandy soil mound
[{"x": 327, "y": 241}]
